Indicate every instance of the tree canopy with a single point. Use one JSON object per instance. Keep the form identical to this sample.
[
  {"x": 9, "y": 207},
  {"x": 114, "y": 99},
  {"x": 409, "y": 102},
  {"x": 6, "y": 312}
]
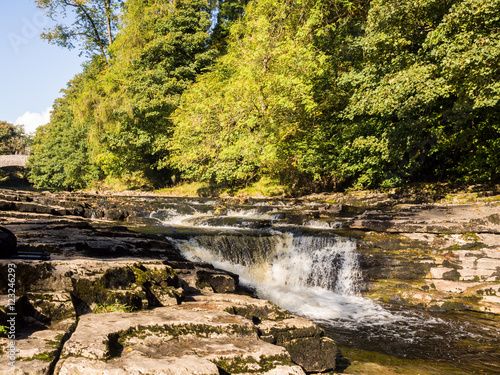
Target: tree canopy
[
  {"x": 12, "y": 139},
  {"x": 313, "y": 94},
  {"x": 94, "y": 26}
]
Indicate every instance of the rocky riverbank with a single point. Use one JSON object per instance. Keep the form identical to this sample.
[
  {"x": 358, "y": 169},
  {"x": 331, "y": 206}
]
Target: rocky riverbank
[
  {"x": 434, "y": 252},
  {"x": 438, "y": 256},
  {"x": 115, "y": 301}
]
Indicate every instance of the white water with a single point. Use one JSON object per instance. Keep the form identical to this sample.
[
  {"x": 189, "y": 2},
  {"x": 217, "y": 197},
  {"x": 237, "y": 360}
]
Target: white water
[
  {"x": 300, "y": 264},
  {"x": 171, "y": 216},
  {"x": 318, "y": 224},
  {"x": 315, "y": 277}
]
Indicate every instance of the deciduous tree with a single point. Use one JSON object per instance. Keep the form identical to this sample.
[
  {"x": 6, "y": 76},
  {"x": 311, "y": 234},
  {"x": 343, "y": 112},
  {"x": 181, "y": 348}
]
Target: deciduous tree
[{"x": 92, "y": 29}]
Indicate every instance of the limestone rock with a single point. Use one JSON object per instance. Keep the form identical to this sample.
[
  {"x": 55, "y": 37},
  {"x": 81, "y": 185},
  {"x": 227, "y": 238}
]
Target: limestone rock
[
  {"x": 136, "y": 364},
  {"x": 220, "y": 282},
  {"x": 94, "y": 334},
  {"x": 37, "y": 351},
  {"x": 289, "y": 329},
  {"x": 313, "y": 354},
  {"x": 170, "y": 340}
]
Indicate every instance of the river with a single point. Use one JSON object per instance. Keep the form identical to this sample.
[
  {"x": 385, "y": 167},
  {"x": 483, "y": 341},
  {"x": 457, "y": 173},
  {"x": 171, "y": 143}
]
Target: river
[{"x": 305, "y": 265}]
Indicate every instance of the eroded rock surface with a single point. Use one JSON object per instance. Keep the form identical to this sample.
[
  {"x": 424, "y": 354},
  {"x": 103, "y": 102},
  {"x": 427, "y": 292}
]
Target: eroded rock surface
[
  {"x": 414, "y": 251},
  {"x": 133, "y": 316},
  {"x": 439, "y": 257},
  {"x": 113, "y": 301}
]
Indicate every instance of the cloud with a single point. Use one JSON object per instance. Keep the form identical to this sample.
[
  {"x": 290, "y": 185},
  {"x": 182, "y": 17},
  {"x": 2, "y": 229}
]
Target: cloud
[{"x": 32, "y": 120}]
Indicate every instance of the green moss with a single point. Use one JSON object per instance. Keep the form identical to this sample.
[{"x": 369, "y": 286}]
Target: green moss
[
  {"x": 108, "y": 291},
  {"x": 454, "y": 306},
  {"x": 166, "y": 276},
  {"x": 56, "y": 342},
  {"x": 240, "y": 364},
  {"x": 452, "y": 275},
  {"x": 487, "y": 292},
  {"x": 106, "y": 308},
  {"x": 374, "y": 363},
  {"x": 284, "y": 335},
  {"x": 89, "y": 290},
  {"x": 473, "y": 298},
  {"x": 118, "y": 278},
  {"x": 198, "y": 330},
  {"x": 45, "y": 357},
  {"x": 258, "y": 313},
  {"x": 470, "y": 236}
]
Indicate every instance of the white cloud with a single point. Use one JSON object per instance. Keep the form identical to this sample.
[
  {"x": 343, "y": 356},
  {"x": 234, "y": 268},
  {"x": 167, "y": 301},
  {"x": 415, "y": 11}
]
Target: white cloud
[{"x": 32, "y": 120}]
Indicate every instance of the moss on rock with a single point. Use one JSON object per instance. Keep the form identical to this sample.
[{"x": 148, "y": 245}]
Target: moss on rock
[{"x": 250, "y": 365}]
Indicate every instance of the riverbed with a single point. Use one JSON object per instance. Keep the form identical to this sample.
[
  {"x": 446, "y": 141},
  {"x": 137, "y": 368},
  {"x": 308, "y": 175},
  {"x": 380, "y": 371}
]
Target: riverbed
[{"x": 303, "y": 260}]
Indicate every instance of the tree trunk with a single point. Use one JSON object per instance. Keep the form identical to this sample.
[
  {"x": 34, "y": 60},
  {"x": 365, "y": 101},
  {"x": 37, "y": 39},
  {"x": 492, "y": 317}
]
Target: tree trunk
[{"x": 107, "y": 5}]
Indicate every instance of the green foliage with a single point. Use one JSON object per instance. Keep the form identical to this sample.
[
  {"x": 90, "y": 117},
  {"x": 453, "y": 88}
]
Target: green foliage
[
  {"x": 60, "y": 151},
  {"x": 307, "y": 94},
  {"x": 12, "y": 139},
  {"x": 93, "y": 28},
  {"x": 119, "y": 110},
  {"x": 238, "y": 120},
  {"x": 427, "y": 82},
  {"x": 107, "y": 308},
  {"x": 167, "y": 62}
]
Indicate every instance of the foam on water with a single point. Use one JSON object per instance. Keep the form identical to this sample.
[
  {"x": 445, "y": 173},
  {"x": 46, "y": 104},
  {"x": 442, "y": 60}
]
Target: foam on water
[
  {"x": 315, "y": 277},
  {"x": 196, "y": 217},
  {"x": 307, "y": 269},
  {"x": 171, "y": 216},
  {"x": 318, "y": 224}
]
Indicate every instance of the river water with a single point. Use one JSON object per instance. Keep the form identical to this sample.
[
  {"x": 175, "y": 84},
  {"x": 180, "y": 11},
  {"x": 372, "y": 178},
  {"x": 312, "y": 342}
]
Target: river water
[{"x": 303, "y": 265}]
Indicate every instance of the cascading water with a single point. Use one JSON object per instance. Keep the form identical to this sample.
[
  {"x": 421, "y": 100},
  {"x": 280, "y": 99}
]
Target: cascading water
[
  {"x": 306, "y": 268},
  {"x": 282, "y": 259}
]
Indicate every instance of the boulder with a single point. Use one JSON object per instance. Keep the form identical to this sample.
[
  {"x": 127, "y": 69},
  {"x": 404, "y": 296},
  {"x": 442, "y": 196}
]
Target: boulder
[{"x": 8, "y": 243}]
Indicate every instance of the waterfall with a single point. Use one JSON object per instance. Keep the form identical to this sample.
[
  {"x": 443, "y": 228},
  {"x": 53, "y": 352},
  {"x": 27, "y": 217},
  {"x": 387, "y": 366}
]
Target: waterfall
[
  {"x": 299, "y": 262},
  {"x": 334, "y": 263},
  {"x": 283, "y": 260}
]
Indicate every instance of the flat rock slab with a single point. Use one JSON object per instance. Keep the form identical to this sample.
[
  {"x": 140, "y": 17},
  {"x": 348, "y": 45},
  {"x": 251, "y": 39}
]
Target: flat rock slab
[
  {"x": 92, "y": 337},
  {"x": 431, "y": 219},
  {"x": 171, "y": 340},
  {"x": 36, "y": 351},
  {"x": 135, "y": 363}
]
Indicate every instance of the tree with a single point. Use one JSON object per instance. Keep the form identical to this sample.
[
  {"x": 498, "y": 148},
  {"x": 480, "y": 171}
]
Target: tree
[
  {"x": 248, "y": 117},
  {"x": 318, "y": 94},
  {"x": 94, "y": 26},
  {"x": 12, "y": 139},
  {"x": 61, "y": 153},
  {"x": 225, "y": 13},
  {"x": 424, "y": 96},
  {"x": 160, "y": 52}
]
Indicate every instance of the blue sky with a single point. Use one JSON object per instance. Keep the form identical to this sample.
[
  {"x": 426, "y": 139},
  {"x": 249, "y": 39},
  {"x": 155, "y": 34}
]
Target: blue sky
[{"x": 32, "y": 72}]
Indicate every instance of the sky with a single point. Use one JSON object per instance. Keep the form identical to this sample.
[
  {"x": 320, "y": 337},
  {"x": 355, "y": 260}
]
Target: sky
[{"x": 32, "y": 71}]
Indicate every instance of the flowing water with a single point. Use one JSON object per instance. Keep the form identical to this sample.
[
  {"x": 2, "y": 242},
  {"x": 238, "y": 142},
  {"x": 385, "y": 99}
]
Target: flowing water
[{"x": 303, "y": 265}]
